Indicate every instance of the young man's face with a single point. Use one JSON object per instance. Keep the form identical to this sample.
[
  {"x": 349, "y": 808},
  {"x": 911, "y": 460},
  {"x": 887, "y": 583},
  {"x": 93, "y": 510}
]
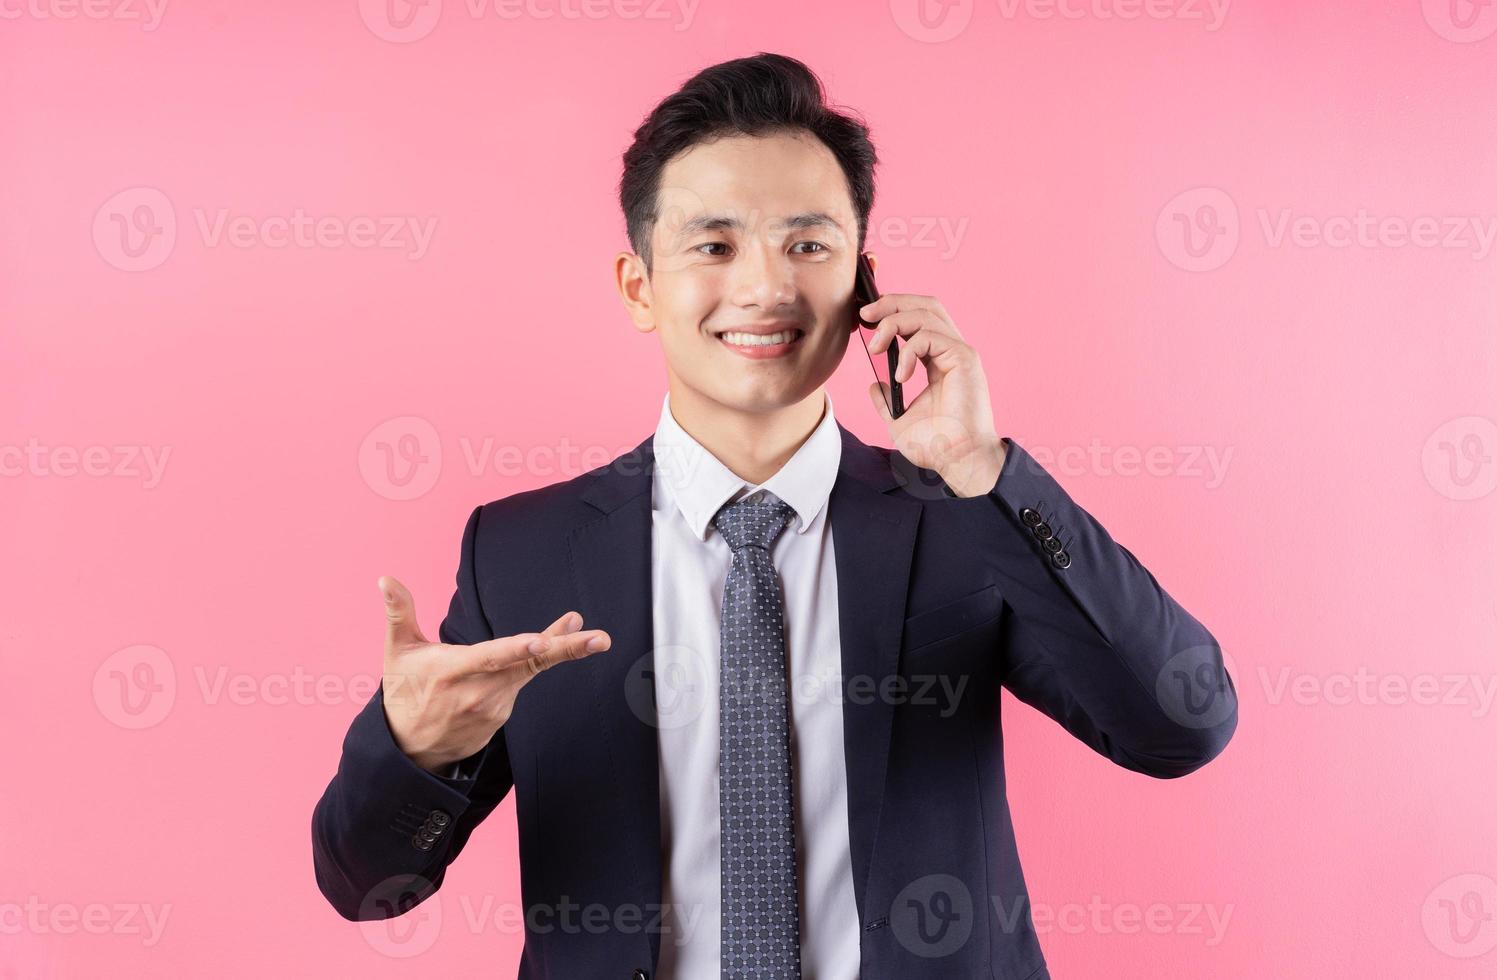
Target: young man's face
[{"x": 754, "y": 234}]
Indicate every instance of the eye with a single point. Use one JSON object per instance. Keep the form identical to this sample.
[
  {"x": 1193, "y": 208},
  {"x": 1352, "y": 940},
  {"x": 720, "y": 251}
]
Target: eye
[
  {"x": 818, "y": 245},
  {"x": 710, "y": 245}
]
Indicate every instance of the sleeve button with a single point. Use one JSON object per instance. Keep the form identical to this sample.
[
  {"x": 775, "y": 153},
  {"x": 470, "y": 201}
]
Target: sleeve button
[{"x": 1029, "y": 516}]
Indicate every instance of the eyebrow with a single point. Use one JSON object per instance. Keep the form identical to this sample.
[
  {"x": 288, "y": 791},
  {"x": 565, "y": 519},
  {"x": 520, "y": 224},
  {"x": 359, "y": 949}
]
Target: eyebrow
[{"x": 719, "y": 222}]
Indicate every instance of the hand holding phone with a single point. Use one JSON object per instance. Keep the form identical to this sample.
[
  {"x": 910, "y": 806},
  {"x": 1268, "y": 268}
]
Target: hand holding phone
[{"x": 865, "y": 292}]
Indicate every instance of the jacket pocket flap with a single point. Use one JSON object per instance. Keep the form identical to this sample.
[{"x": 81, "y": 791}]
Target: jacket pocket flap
[{"x": 951, "y": 618}]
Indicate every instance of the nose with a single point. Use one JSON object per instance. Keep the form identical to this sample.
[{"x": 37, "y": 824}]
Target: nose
[{"x": 764, "y": 278}]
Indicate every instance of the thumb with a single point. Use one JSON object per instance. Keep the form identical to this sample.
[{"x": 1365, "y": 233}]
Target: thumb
[
  {"x": 401, "y": 628},
  {"x": 878, "y": 391}
]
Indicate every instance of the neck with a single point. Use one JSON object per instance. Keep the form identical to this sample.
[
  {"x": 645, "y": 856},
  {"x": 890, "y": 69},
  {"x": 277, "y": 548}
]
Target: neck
[{"x": 753, "y": 445}]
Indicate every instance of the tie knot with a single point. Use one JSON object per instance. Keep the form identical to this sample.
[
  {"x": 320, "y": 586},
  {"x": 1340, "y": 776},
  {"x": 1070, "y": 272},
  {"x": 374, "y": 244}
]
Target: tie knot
[{"x": 753, "y": 523}]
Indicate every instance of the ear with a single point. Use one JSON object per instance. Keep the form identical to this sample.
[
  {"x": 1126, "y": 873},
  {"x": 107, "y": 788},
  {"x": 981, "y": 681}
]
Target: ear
[{"x": 634, "y": 289}]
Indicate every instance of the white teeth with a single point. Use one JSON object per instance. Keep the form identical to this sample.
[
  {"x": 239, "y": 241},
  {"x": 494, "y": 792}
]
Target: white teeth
[{"x": 754, "y": 340}]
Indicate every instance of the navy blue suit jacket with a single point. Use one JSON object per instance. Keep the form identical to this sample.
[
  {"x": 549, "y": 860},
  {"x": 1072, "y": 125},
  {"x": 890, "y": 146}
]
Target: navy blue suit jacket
[{"x": 1019, "y": 588}]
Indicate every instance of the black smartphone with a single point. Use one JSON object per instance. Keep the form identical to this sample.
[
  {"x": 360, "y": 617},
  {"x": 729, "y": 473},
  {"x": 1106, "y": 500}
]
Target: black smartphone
[{"x": 865, "y": 292}]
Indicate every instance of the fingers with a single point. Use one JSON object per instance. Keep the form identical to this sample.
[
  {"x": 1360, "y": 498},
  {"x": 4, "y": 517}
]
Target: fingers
[
  {"x": 879, "y": 392},
  {"x": 573, "y": 646},
  {"x": 891, "y": 303},
  {"x": 401, "y": 628},
  {"x": 562, "y": 640},
  {"x": 907, "y": 323},
  {"x": 924, "y": 345},
  {"x": 567, "y": 622}
]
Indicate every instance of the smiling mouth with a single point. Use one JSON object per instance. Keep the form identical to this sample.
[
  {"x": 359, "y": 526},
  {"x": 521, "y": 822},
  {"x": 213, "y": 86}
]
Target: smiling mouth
[{"x": 781, "y": 338}]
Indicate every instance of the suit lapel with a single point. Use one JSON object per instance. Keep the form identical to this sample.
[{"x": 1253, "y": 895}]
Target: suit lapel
[
  {"x": 610, "y": 559},
  {"x": 873, "y": 537}
]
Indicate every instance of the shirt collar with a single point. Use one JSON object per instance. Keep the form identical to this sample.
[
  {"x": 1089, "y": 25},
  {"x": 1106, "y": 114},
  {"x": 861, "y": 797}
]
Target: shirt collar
[{"x": 699, "y": 484}]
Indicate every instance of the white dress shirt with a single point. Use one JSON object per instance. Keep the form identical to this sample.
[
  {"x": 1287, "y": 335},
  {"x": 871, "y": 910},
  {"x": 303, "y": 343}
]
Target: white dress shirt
[{"x": 689, "y": 572}]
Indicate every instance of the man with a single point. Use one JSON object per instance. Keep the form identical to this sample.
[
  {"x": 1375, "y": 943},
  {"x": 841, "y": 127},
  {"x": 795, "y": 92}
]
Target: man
[{"x": 775, "y": 751}]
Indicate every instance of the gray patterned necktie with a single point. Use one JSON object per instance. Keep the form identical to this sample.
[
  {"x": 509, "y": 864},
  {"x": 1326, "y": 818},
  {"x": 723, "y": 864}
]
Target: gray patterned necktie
[{"x": 760, "y": 900}]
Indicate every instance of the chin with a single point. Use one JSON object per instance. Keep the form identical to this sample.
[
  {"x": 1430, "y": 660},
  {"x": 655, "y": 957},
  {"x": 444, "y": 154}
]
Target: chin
[
  {"x": 754, "y": 403},
  {"x": 762, "y": 401}
]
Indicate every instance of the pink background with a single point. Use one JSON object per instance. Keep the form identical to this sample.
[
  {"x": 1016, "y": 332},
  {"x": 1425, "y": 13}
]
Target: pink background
[{"x": 1346, "y": 394}]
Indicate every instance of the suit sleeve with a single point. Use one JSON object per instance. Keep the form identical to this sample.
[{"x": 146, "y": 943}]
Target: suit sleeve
[
  {"x": 385, "y": 829},
  {"x": 1089, "y": 636}
]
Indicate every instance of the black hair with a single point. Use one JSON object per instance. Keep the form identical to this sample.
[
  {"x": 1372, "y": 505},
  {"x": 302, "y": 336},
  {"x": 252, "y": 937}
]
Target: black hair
[{"x": 755, "y": 96}]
